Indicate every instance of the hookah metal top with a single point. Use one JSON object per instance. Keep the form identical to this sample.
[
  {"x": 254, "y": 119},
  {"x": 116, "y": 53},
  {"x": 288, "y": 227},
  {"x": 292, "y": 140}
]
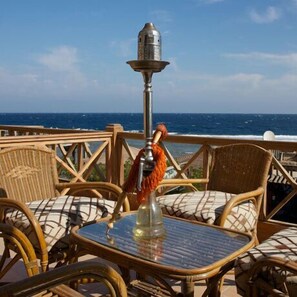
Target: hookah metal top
[
  {"x": 149, "y": 62},
  {"x": 149, "y": 43},
  {"x": 149, "y": 51}
]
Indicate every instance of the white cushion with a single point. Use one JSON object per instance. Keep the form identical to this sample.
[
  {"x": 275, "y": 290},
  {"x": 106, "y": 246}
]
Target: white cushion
[
  {"x": 57, "y": 215},
  {"x": 207, "y": 206}
]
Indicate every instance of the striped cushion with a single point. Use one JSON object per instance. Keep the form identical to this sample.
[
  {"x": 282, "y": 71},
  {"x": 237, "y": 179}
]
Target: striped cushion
[
  {"x": 282, "y": 244},
  {"x": 57, "y": 215},
  {"x": 206, "y": 206}
]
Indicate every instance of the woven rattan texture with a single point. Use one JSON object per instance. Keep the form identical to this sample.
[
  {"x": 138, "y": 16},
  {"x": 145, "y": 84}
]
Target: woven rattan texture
[{"x": 28, "y": 174}]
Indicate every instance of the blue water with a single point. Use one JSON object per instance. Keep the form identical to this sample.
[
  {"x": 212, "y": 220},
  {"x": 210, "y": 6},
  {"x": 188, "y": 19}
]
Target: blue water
[{"x": 248, "y": 125}]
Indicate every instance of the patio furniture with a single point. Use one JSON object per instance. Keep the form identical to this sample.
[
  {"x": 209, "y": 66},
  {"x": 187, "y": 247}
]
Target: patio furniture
[
  {"x": 233, "y": 190},
  {"x": 190, "y": 251},
  {"x": 32, "y": 200},
  {"x": 269, "y": 269},
  {"x": 55, "y": 282}
]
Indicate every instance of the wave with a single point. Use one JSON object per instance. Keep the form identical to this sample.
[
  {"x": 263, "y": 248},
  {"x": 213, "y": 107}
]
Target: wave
[
  {"x": 250, "y": 136},
  {"x": 256, "y": 137}
]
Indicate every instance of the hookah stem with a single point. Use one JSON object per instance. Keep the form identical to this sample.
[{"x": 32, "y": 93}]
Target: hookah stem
[
  {"x": 149, "y": 163},
  {"x": 147, "y": 111}
]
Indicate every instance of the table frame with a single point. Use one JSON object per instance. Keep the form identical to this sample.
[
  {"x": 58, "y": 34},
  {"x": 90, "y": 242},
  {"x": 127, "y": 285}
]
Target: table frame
[{"x": 212, "y": 273}]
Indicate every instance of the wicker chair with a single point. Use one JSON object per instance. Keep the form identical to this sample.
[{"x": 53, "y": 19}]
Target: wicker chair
[
  {"x": 233, "y": 192},
  {"x": 31, "y": 200},
  {"x": 269, "y": 269},
  {"x": 55, "y": 282}
]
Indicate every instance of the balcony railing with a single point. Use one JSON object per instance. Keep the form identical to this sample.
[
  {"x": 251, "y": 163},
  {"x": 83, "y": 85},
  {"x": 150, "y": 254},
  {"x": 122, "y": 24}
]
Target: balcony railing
[
  {"x": 80, "y": 153},
  {"x": 281, "y": 174}
]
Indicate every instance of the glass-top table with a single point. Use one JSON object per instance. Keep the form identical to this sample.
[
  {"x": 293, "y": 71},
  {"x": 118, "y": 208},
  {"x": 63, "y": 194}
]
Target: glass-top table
[{"x": 188, "y": 249}]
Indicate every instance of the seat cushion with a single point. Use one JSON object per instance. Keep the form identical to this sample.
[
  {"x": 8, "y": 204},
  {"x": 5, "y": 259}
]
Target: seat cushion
[
  {"x": 57, "y": 215},
  {"x": 282, "y": 244},
  {"x": 207, "y": 206}
]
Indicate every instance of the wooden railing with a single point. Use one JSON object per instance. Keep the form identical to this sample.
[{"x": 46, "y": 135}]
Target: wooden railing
[
  {"x": 80, "y": 152},
  {"x": 199, "y": 158},
  {"x": 15, "y": 130}
]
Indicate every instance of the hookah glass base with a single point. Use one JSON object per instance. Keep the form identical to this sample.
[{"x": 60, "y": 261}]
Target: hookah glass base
[{"x": 149, "y": 219}]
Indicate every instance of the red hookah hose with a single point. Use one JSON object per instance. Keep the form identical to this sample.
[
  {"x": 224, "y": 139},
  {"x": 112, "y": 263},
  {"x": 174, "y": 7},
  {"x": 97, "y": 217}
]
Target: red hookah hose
[{"x": 150, "y": 182}]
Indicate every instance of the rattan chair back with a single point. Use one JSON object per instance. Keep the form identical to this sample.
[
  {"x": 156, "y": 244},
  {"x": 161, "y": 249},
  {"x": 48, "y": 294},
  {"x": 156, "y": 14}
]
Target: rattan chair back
[
  {"x": 239, "y": 168},
  {"x": 28, "y": 173}
]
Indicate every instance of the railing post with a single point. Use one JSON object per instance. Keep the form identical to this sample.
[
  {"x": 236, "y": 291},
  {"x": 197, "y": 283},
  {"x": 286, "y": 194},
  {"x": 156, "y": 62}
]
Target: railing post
[{"x": 116, "y": 160}]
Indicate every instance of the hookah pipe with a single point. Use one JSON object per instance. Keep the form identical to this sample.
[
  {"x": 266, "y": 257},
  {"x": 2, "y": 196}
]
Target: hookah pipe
[{"x": 145, "y": 173}]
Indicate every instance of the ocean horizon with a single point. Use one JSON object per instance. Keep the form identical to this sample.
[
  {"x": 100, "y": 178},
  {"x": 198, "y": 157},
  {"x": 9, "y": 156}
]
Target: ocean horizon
[{"x": 205, "y": 124}]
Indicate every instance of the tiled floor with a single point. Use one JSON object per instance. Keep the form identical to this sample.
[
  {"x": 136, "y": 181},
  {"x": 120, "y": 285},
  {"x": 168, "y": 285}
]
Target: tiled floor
[{"x": 229, "y": 289}]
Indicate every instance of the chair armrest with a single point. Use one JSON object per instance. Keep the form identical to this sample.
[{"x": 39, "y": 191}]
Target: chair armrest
[
  {"x": 6, "y": 203},
  {"x": 21, "y": 245},
  {"x": 283, "y": 264},
  {"x": 100, "y": 186},
  {"x": 238, "y": 199},
  {"x": 258, "y": 282},
  {"x": 56, "y": 278},
  {"x": 173, "y": 182}
]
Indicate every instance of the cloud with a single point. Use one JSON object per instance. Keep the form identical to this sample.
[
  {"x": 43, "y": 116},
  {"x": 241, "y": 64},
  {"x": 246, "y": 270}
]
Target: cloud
[
  {"x": 62, "y": 59},
  {"x": 288, "y": 60},
  {"x": 161, "y": 16},
  {"x": 207, "y": 2},
  {"x": 216, "y": 82},
  {"x": 251, "y": 79},
  {"x": 56, "y": 82},
  {"x": 212, "y": 1},
  {"x": 270, "y": 15},
  {"x": 58, "y": 77},
  {"x": 237, "y": 92},
  {"x": 123, "y": 48}
]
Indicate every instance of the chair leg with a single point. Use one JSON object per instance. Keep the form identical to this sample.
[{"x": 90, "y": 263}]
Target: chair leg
[{"x": 4, "y": 265}]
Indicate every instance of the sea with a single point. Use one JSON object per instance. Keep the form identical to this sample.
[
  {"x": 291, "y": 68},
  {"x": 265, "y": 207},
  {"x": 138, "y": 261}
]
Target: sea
[
  {"x": 251, "y": 126},
  {"x": 284, "y": 126}
]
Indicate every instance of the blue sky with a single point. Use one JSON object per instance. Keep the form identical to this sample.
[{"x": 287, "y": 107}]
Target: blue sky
[{"x": 226, "y": 56}]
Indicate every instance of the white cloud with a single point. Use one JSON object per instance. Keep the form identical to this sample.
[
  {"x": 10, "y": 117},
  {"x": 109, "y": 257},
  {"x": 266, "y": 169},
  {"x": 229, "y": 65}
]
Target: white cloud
[
  {"x": 238, "y": 92},
  {"x": 216, "y": 82},
  {"x": 212, "y": 1},
  {"x": 57, "y": 81},
  {"x": 209, "y": 1},
  {"x": 270, "y": 15},
  {"x": 62, "y": 58},
  {"x": 288, "y": 60},
  {"x": 61, "y": 68},
  {"x": 123, "y": 48},
  {"x": 173, "y": 63},
  {"x": 161, "y": 16},
  {"x": 250, "y": 79}
]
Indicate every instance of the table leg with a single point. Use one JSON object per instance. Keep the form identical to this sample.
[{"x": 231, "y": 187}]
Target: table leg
[
  {"x": 214, "y": 283},
  {"x": 213, "y": 289},
  {"x": 187, "y": 288}
]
